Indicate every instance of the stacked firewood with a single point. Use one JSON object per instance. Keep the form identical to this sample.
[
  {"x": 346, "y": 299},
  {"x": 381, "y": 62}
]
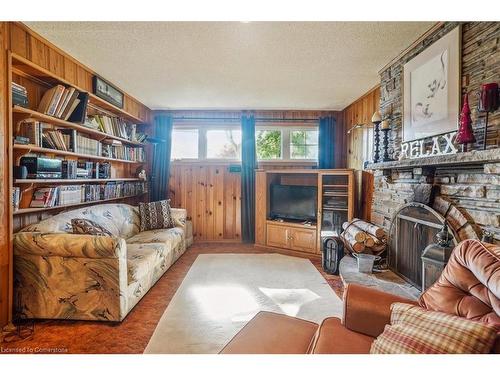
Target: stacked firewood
[{"x": 363, "y": 237}]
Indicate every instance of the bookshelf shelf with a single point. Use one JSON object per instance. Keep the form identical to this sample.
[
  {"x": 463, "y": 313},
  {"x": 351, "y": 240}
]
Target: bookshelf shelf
[
  {"x": 31, "y": 210},
  {"x": 36, "y": 149},
  {"x": 70, "y": 125},
  {"x": 70, "y": 180},
  {"x": 26, "y": 67}
]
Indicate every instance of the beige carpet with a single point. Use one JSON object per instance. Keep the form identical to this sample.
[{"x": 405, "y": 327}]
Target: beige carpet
[{"x": 222, "y": 292}]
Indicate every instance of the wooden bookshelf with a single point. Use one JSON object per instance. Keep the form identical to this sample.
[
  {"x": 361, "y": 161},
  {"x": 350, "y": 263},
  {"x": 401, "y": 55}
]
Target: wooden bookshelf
[
  {"x": 42, "y": 150},
  {"x": 32, "y": 210},
  {"x": 30, "y": 113},
  {"x": 26, "y": 68}
]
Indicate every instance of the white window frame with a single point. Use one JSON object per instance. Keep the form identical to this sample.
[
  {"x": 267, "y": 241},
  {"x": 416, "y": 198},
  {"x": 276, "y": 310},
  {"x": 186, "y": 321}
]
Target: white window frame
[
  {"x": 285, "y": 142},
  {"x": 202, "y": 141}
]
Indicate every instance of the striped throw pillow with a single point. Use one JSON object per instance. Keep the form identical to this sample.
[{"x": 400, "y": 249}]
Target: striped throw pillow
[
  {"x": 155, "y": 215},
  {"x": 414, "y": 330}
]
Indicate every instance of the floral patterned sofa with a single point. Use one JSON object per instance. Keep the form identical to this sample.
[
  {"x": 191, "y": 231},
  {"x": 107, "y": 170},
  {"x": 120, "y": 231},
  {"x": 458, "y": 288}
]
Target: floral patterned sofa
[{"x": 60, "y": 275}]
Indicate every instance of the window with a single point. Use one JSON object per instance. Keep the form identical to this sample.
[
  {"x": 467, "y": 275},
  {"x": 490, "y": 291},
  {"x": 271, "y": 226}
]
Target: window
[
  {"x": 286, "y": 142},
  {"x": 273, "y": 142},
  {"x": 268, "y": 144},
  {"x": 223, "y": 144},
  {"x": 304, "y": 144},
  {"x": 184, "y": 144}
]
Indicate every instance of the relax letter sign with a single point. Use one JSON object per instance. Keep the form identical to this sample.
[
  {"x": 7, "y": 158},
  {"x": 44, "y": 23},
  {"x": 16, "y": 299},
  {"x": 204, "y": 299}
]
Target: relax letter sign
[{"x": 441, "y": 145}]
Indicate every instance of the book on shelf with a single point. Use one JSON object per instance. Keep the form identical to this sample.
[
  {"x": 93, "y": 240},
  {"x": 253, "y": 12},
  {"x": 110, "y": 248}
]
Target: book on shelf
[
  {"x": 19, "y": 95},
  {"x": 115, "y": 126},
  {"x": 44, "y": 197},
  {"x": 75, "y": 194},
  {"x": 16, "y": 197},
  {"x": 65, "y": 103}
]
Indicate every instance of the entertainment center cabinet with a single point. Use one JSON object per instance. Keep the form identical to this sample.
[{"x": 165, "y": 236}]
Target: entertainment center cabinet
[{"x": 334, "y": 206}]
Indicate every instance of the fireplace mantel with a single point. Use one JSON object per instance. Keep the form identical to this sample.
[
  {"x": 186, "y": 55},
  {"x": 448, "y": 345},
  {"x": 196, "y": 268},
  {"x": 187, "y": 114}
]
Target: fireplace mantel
[{"x": 461, "y": 158}]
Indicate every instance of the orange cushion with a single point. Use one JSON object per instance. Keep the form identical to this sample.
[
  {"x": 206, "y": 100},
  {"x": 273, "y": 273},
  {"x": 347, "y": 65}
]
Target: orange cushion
[
  {"x": 271, "y": 333},
  {"x": 334, "y": 338},
  {"x": 414, "y": 330}
]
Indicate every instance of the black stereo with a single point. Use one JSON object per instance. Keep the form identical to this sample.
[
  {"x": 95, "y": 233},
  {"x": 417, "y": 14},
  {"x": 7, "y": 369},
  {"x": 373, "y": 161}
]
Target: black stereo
[{"x": 39, "y": 167}]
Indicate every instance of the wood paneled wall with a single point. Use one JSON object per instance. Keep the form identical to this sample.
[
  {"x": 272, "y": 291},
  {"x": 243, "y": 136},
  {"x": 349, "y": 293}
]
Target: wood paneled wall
[
  {"x": 360, "y": 112},
  {"x": 212, "y": 197}
]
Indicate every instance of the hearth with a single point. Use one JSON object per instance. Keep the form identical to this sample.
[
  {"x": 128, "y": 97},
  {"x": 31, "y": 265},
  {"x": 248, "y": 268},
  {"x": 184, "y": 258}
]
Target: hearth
[{"x": 413, "y": 228}]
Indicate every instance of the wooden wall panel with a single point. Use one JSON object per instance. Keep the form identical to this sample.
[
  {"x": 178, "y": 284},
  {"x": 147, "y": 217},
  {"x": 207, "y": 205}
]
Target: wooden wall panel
[
  {"x": 212, "y": 197},
  {"x": 360, "y": 112}
]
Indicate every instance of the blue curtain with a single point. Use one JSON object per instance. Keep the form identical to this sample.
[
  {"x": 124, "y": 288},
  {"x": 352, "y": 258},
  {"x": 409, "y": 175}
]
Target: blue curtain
[
  {"x": 248, "y": 166},
  {"x": 162, "y": 145},
  {"x": 326, "y": 157}
]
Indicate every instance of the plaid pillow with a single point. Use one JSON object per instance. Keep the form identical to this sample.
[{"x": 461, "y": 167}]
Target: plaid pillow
[
  {"x": 155, "y": 215},
  {"x": 414, "y": 330}
]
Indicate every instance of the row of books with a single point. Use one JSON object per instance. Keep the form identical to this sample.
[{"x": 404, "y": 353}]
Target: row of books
[
  {"x": 46, "y": 135},
  {"x": 45, "y": 197},
  {"x": 19, "y": 95},
  {"x": 65, "y": 103},
  {"x": 124, "y": 152},
  {"x": 115, "y": 126}
]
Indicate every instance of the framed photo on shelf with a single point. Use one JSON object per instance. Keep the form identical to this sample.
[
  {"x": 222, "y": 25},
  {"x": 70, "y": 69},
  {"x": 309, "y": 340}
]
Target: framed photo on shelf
[
  {"x": 431, "y": 89},
  {"x": 107, "y": 91}
]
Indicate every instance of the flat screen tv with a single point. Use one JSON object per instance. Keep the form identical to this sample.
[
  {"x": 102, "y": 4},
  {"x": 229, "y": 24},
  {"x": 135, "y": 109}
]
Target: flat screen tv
[{"x": 293, "y": 202}]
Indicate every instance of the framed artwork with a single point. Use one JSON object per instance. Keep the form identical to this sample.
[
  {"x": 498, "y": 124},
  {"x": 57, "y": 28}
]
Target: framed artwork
[
  {"x": 431, "y": 89},
  {"x": 108, "y": 92}
]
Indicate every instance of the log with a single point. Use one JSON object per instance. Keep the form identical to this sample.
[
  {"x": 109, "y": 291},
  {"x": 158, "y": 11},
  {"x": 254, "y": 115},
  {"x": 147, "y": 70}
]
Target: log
[
  {"x": 369, "y": 228},
  {"x": 355, "y": 232},
  {"x": 371, "y": 240},
  {"x": 353, "y": 244}
]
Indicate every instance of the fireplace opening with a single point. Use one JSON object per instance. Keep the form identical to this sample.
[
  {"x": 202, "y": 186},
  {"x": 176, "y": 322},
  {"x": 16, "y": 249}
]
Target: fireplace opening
[{"x": 413, "y": 228}]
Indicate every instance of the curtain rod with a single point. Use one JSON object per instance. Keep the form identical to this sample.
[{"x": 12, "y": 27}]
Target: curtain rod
[{"x": 259, "y": 119}]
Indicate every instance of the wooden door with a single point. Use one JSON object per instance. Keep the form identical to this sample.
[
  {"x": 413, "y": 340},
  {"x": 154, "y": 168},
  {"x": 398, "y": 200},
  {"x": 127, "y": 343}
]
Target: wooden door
[
  {"x": 303, "y": 239},
  {"x": 278, "y": 236}
]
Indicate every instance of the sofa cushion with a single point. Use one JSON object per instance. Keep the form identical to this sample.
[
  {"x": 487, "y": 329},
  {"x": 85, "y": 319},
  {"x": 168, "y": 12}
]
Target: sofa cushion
[
  {"x": 122, "y": 220},
  {"x": 271, "y": 333},
  {"x": 171, "y": 237},
  {"x": 155, "y": 215},
  {"x": 84, "y": 226},
  {"x": 414, "y": 330},
  {"x": 143, "y": 258},
  {"x": 333, "y": 338}
]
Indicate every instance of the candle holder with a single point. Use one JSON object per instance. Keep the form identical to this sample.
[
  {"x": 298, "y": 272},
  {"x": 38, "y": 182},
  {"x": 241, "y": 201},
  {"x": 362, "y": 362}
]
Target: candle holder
[
  {"x": 385, "y": 143},
  {"x": 376, "y": 120},
  {"x": 376, "y": 142}
]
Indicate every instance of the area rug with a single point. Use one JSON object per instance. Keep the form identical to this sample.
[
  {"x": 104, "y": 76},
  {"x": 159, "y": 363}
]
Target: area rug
[{"x": 222, "y": 292}]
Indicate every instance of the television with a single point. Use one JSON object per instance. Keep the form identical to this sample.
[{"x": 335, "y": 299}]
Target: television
[{"x": 293, "y": 202}]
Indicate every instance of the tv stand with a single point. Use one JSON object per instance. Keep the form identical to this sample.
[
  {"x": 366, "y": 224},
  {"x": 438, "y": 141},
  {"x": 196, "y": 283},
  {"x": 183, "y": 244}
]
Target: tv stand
[{"x": 335, "y": 206}]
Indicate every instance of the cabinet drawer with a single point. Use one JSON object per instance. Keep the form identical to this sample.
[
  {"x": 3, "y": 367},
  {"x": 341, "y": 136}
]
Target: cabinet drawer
[
  {"x": 277, "y": 235},
  {"x": 303, "y": 240}
]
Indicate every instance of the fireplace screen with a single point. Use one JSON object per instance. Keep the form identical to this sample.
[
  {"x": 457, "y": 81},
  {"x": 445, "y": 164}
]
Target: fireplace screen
[{"x": 413, "y": 228}]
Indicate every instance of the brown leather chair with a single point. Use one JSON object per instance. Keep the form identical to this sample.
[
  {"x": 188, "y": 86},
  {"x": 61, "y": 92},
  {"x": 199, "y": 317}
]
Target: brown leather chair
[{"x": 468, "y": 287}]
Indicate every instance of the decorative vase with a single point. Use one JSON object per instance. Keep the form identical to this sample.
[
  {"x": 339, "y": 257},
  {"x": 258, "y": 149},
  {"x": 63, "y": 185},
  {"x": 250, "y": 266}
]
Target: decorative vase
[{"x": 465, "y": 134}]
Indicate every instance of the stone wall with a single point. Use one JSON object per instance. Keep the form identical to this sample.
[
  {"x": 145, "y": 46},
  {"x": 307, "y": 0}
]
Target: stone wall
[{"x": 468, "y": 195}]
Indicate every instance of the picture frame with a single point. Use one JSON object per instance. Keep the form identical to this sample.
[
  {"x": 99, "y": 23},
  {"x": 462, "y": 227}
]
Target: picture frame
[
  {"x": 106, "y": 91},
  {"x": 431, "y": 89}
]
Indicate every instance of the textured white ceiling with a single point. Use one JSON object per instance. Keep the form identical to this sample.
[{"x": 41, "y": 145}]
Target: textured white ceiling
[{"x": 223, "y": 65}]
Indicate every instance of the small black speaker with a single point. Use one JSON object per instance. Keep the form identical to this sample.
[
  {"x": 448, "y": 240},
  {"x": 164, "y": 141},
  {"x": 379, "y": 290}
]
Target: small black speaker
[{"x": 20, "y": 172}]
